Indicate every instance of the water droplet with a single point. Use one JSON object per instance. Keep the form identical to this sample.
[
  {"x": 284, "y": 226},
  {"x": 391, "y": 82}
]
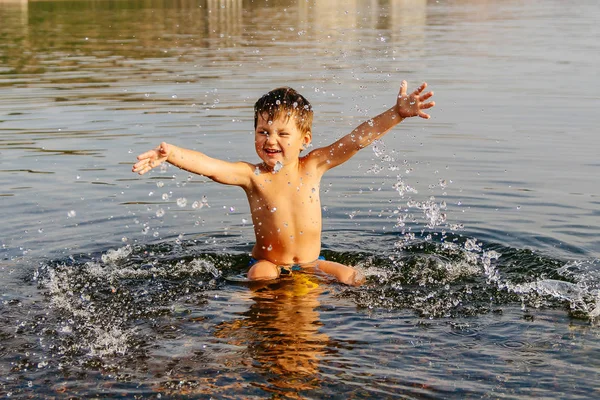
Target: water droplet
[
  {"x": 174, "y": 96},
  {"x": 277, "y": 167},
  {"x": 278, "y": 102},
  {"x": 273, "y": 209},
  {"x": 165, "y": 196},
  {"x": 295, "y": 104},
  {"x": 71, "y": 214},
  {"x": 160, "y": 213},
  {"x": 231, "y": 209},
  {"x": 150, "y": 193},
  {"x": 270, "y": 248},
  {"x": 182, "y": 202},
  {"x": 155, "y": 234},
  {"x": 124, "y": 239},
  {"x": 244, "y": 221},
  {"x": 160, "y": 184},
  {"x": 205, "y": 201},
  {"x": 257, "y": 171}
]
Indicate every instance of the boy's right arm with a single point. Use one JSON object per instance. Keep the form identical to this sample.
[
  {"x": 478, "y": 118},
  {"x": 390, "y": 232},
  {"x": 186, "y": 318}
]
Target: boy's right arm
[
  {"x": 407, "y": 105},
  {"x": 220, "y": 171}
]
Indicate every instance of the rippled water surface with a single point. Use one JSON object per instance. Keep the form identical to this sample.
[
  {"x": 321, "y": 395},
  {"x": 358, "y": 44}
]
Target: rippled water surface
[{"x": 477, "y": 229}]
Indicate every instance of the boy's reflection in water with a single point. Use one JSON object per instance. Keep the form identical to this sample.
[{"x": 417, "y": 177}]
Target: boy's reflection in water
[{"x": 280, "y": 331}]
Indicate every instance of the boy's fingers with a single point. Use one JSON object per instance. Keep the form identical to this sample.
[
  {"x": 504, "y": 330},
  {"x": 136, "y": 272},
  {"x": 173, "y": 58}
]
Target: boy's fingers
[
  {"x": 425, "y": 96},
  {"x": 420, "y": 88},
  {"x": 147, "y": 154},
  {"x": 403, "y": 86},
  {"x": 143, "y": 164},
  {"x": 428, "y": 105}
]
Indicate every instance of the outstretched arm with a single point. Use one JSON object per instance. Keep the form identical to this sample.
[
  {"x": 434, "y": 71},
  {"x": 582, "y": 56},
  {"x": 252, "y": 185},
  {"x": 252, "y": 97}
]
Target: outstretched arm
[
  {"x": 407, "y": 105},
  {"x": 194, "y": 161}
]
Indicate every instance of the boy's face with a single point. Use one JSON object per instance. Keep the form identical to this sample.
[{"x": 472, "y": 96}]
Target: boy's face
[{"x": 279, "y": 140}]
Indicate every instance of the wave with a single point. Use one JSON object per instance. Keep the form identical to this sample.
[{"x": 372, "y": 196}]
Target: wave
[{"x": 107, "y": 304}]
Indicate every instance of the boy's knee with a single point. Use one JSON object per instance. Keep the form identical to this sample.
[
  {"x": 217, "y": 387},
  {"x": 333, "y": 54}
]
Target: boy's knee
[{"x": 263, "y": 270}]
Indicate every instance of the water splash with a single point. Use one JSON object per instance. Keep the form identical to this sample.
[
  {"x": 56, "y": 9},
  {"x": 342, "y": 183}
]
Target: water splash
[
  {"x": 96, "y": 306},
  {"x": 432, "y": 211},
  {"x": 403, "y": 188},
  {"x": 379, "y": 148},
  {"x": 181, "y": 202},
  {"x": 202, "y": 203}
]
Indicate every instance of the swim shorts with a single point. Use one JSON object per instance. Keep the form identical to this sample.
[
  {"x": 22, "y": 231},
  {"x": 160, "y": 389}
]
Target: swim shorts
[{"x": 284, "y": 268}]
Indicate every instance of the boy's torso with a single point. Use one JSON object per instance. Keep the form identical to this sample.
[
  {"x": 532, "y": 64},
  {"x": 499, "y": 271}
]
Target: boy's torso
[{"x": 286, "y": 212}]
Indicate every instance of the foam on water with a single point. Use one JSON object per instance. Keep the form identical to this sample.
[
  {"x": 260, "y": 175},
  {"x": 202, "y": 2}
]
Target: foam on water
[
  {"x": 463, "y": 276},
  {"x": 95, "y": 304},
  {"x": 470, "y": 259}
]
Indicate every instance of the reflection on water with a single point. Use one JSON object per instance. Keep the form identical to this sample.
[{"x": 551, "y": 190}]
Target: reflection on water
[
  {"x": 280, "y": 332},
  {"x": 75, "y": 40}
]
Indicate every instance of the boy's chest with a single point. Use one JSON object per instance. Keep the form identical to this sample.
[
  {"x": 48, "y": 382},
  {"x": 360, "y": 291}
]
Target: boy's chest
[{"x": 272, "y": 189}]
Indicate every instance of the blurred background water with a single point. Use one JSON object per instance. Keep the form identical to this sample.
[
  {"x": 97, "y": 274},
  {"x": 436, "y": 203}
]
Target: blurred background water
[{"x": 478, "y": 228}]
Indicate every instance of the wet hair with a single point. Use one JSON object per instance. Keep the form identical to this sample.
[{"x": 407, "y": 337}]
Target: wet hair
[{"x": 285, "y": 102}]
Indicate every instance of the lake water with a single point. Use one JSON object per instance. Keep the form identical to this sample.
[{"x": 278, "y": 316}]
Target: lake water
[{"x": 477, "y": 229}]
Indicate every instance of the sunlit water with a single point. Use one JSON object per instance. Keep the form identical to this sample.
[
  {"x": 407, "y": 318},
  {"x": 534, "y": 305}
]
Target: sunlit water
[{"x": 477, "y": 229}]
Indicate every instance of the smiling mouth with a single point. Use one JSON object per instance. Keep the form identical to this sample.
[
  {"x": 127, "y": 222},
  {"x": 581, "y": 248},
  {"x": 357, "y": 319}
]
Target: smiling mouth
[{"x": 272, "y": 151}]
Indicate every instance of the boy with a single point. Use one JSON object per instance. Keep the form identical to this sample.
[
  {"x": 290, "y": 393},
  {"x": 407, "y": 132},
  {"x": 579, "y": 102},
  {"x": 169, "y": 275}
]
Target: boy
[{"x": 283, "y": 189}]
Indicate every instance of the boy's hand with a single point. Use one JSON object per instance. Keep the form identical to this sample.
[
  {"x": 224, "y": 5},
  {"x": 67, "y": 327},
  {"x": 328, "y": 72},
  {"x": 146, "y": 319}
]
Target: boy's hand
[
  {"x": 152, "y": 158},
  {"x": 412, "y": 105}
]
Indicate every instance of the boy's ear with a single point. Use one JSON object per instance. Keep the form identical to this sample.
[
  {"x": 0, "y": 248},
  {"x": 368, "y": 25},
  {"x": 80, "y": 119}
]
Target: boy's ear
[{"x": 307, "y": 138}]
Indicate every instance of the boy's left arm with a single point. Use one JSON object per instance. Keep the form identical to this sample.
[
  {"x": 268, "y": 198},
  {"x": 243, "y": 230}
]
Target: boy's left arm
[{"x": 407, "y": 105}]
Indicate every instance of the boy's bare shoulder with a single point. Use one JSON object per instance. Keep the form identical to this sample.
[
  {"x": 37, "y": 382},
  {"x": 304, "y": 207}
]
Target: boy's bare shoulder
[{"x": 315, "y": 159}]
